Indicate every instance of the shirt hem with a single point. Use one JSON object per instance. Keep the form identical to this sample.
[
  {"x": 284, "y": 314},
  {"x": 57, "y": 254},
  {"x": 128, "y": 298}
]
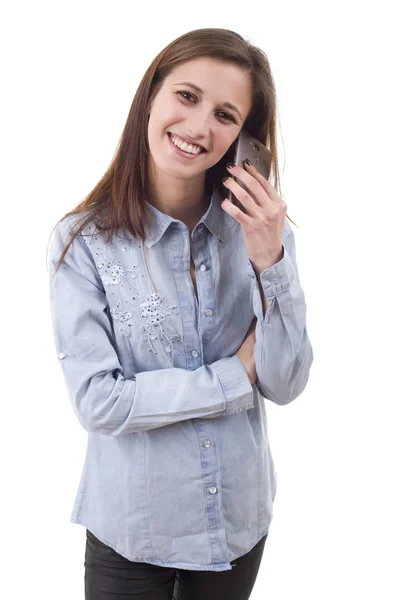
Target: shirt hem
[{"x": 160, "y": 563}]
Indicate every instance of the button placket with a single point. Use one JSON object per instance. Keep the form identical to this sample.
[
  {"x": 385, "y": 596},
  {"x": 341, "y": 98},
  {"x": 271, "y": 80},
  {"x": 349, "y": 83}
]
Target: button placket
[
  {"x": 180, "y": 248},
  {"x": 203, "y": 252},
  {"x": 196, "y": 249},
  {"x": 211, "y": 475}
]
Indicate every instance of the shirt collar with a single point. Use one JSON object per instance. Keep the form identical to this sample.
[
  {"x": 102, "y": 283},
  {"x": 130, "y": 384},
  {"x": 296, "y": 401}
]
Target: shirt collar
[{"x": 217, "y": 221}]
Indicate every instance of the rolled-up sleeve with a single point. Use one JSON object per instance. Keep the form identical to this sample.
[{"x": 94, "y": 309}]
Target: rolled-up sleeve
[
  {"x": 283, "y": 353},
  {"x": 103, "y": 399}
]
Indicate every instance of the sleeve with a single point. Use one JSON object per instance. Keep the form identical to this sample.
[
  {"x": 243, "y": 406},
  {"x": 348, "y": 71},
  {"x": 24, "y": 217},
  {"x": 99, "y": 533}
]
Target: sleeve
[
  {"x": 104, "y": 400},
  {"x": 282, "y": 353}
]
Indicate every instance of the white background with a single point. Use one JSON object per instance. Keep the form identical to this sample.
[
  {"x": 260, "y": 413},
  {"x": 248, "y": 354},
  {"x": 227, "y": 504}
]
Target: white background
[{"x": 69, "y": 74}]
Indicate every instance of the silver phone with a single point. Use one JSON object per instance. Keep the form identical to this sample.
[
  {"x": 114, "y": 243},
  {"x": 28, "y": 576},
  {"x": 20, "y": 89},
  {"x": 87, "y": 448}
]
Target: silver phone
[{"x": 248, "y": 147}]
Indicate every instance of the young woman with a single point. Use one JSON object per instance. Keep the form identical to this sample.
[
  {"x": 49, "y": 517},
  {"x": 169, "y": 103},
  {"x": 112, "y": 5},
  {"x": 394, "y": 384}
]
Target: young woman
[{"x": 175, "y": 315}]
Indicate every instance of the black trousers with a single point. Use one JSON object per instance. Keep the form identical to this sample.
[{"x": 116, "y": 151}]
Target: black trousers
[{"x": 110, "y": 576}]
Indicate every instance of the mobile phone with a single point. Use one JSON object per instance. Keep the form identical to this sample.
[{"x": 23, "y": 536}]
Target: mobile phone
[{"x": 257, "y": 153}]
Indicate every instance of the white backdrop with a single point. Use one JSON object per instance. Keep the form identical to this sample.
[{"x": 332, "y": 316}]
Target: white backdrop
[{"x": 69, "y": 73}]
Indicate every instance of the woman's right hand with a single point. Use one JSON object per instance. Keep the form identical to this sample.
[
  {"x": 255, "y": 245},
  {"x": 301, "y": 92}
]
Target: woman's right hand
[{"x": 246, "y": 352}]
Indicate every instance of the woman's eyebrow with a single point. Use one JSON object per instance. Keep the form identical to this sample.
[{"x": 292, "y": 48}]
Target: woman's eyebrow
[{"x": 200, "y": 91}]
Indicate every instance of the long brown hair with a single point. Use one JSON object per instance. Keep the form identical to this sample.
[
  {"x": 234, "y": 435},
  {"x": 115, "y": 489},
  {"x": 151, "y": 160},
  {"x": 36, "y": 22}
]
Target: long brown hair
[{"x": 118, "y": 199}]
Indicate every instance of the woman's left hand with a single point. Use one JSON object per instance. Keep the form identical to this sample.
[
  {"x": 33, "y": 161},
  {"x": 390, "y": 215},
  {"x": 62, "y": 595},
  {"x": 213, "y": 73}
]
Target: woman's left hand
[{"x": 262, "y": 226}]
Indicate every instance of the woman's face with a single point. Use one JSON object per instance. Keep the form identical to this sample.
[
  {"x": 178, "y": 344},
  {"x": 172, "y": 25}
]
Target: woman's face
[{"x": 203, "y": 102}]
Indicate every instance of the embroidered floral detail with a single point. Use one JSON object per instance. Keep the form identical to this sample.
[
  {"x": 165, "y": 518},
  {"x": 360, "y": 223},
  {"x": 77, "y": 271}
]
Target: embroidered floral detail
[
  {"x": 155, "y": 314},
  {"x": 111, "y": 274},
  {"x": 114, "y": 275},
  {"x": 119, "y": 315}
]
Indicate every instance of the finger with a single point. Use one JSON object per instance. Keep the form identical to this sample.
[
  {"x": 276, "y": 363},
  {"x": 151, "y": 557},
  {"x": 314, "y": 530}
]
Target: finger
[
  {"x": 236, "y": 213},
  {"x": 257, "y": 191},
  {"x": 251, "y": 206},
  {"x": 265, "y": 184}
]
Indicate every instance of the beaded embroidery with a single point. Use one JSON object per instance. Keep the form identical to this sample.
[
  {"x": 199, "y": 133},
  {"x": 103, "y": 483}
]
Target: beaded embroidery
[
  {"x": 151, "y": 309},
  {"x": 155, "y": 314}
]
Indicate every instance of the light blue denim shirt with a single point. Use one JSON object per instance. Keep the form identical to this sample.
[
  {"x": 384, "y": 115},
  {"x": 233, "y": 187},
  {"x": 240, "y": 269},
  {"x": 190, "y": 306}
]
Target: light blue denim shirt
[{"x": 178, "y": 469}]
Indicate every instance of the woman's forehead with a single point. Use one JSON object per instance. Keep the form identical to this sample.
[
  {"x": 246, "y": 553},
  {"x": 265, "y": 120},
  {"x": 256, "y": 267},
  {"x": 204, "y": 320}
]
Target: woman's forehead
[{"x": 208, "y": 66}]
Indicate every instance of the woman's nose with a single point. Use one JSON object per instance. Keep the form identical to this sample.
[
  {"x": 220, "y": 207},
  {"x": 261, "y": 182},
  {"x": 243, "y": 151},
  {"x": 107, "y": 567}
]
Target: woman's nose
[{"x": 199, "y": 127}]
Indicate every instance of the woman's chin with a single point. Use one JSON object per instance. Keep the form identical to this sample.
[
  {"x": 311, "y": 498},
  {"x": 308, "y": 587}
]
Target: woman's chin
[{"x": 171, "y": 168}]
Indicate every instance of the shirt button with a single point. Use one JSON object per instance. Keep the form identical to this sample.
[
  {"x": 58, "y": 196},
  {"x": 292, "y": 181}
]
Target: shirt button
[
  {"x": 208, "y": 312},
  {"x": 212, "y": 490},
  {"x": 61, "y": 355},
  {"x": 195, "y": 353},
  {"x": 207, "y": 444},
  {"x": 203, "y": 268}
]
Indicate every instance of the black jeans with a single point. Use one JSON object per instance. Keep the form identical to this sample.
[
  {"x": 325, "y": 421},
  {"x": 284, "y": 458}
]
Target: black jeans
[{"x": 110, "y": 576}]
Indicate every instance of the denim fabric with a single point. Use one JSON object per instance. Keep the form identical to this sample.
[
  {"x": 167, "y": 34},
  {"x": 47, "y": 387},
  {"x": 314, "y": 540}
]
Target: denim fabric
[{"x": 178, "y": 470}]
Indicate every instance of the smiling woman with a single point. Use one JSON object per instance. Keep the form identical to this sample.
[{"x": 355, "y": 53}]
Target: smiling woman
[
  {"x": 200, "y": 129},
  {"x": 175, "y": 317},
  {"x": 121, "y": 197}
]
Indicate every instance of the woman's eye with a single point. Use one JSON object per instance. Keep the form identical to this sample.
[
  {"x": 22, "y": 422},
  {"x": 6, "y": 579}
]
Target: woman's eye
[
  {"x": 184, "y": 94},
  {"x": 228, "y": 116}
]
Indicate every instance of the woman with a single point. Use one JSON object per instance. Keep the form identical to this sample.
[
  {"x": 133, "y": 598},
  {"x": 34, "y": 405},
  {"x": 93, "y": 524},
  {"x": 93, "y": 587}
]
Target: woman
[{"x": 175, "y": 315}]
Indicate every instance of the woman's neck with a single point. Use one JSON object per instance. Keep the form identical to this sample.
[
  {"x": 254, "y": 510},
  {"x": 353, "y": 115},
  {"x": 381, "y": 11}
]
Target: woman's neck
[{"x": 181, "y": 199}]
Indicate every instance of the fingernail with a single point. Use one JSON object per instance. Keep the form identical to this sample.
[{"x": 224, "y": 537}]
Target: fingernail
[
  {"x": 225, "y": 178},
  {"x": 230, "y": 166},
  {"x": 248, "y": 162}
]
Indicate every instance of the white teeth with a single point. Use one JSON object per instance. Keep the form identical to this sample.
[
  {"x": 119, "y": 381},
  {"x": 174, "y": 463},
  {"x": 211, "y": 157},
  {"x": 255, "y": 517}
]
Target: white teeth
[{"x": 189, "y": 148}]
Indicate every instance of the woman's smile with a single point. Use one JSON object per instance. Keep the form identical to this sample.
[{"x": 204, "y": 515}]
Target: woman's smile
[{"x": 184, "y": 148}]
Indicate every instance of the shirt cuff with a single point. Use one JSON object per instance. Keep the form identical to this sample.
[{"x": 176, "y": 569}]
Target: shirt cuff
[
  {"x": 277, "y": 279},
  {"x": 235, "y": 384}
]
